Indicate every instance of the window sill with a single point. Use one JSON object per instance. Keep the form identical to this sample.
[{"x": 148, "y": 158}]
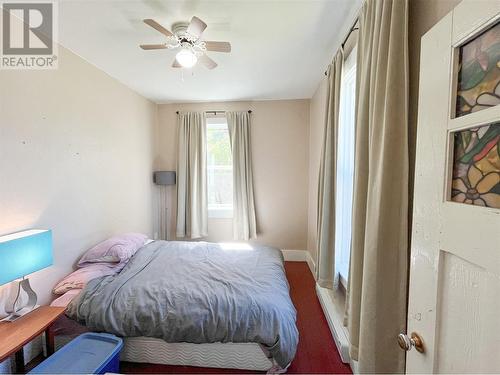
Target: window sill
[
  {"x": 333, "y": 304},
  {"x": 343, "y": 280},
  {"x": 220, "y": 213}
]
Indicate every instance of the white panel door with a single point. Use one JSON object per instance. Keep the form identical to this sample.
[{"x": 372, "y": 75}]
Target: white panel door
[{"x": 454, "y": 297}]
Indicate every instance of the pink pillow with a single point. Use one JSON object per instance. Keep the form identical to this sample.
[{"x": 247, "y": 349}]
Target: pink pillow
[
  {"x": 80, "y": 278},
  {"x": 66, "y": 298},
  {"x": 117, "y": 249}
]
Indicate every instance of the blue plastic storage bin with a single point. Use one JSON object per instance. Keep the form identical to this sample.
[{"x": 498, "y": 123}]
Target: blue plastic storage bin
[{"x": 89, "y": 353}]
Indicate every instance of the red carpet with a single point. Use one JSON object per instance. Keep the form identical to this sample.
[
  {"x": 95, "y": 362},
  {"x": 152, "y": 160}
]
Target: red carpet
[{"x": 316, "y": 353}]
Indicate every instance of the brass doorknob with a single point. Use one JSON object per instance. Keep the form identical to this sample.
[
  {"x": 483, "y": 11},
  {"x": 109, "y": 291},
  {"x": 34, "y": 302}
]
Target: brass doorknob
[{"x": 406, "y": 343}]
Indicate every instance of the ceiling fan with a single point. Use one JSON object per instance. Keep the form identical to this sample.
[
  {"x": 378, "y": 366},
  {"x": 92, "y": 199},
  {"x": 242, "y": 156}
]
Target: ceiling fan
[{"x": 187, "y": 38}]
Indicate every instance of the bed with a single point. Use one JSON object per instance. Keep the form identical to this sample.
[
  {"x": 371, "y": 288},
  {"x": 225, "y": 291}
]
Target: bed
[{"x": 196, "y": 303}]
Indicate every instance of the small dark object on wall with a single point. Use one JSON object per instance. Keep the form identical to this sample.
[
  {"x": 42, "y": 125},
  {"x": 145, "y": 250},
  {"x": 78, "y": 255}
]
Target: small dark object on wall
[{"x": 164, "y": 177}]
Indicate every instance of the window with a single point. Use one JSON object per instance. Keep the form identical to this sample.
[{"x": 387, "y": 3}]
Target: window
[
  {"x": 219, "y": 169},
  {"x": 345, "y": 167},
  {"x": 476, "y": 159},
  {"x": 478, "y": 76}
]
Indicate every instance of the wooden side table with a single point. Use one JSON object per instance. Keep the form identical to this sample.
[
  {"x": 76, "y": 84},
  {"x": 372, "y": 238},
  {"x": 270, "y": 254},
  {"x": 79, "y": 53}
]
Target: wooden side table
[{"x": 14, "y": 335}]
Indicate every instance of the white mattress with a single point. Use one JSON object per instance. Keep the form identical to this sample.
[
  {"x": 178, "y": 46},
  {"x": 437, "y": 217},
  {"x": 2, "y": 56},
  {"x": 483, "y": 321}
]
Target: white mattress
[{"x": 244, "y": 356}]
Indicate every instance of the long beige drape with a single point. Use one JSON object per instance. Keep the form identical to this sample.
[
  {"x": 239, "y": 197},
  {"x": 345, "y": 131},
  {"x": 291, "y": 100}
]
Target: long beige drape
[
  {"x": 326, "y": 276},
  {"x": 244, "y": 222},
  {"x": 192, "y": 216},
  {"x": 376, "y": 302}
]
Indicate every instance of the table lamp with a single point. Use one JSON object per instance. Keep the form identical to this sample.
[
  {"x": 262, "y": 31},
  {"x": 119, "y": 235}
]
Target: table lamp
[{"x": 21, "y": 254}]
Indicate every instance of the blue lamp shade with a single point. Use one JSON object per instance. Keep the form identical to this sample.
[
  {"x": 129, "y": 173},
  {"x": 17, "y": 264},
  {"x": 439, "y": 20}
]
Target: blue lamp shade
[{"x": 23, "y": 253}]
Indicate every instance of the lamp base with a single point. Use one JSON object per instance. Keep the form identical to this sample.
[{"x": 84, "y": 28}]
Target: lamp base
[
  {"x": 15, "y": 312},
  {"x": 19, "y": 313}
]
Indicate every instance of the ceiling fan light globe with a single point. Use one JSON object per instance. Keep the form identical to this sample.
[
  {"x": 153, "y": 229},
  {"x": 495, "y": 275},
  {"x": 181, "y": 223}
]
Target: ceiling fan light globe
[{"x": 186, "y": 58}]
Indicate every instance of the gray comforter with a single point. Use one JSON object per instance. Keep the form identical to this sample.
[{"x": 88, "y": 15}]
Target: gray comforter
[{"x": 196, "y": 292}]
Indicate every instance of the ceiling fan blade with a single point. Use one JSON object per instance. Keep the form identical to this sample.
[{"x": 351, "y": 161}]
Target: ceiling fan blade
[
  {"x": 207, "y": 61},
  {"x": 218, "y": 46},
  {"x": 196, "y": 27},
  {"x": 153, "y": 46},
  {"x": 176, "y": 64},
  {"x": 155, "y": 25}
]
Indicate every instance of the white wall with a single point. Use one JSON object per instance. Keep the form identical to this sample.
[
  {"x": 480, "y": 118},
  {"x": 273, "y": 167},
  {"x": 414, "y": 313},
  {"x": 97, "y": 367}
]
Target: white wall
[
  {"x": 316, "y": 130},
  {"x": 280, "y": 147},
  {"x": 76, "y": 156}
]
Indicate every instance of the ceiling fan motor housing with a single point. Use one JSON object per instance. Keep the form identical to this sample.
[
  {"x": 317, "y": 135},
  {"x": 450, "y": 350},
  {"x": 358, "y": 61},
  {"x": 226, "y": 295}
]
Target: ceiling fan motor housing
[{"x": 180, "y": 29}]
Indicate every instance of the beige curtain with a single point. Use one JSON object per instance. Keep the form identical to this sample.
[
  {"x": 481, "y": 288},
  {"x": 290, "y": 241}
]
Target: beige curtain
[
  {"x": 326, "y": 276},
  {"x": 192, "y": 214},
  {"x": 244, "y": 223},
  {"x": 376, "y": 301}
]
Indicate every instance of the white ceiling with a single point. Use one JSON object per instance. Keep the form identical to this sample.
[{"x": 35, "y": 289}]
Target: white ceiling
[{"x": 280, "y": 48}]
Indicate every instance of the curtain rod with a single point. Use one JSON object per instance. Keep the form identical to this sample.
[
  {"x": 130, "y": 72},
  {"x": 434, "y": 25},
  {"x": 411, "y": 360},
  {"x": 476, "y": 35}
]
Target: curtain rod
[
  {"x": 353, "y": 28},
  {"x": 215, "y": 112}
]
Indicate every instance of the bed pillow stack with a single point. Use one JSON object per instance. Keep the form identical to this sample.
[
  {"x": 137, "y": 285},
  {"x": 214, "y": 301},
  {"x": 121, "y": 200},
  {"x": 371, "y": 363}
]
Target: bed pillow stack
[{"x": 106, "y": 258}]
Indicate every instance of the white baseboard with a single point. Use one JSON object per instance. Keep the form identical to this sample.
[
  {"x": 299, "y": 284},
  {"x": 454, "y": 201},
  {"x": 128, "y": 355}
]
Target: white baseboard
[
  {"x": 354, "y": 367},
  {"x": 300, "y": 256},
  {"x": 294, "y": 255},
  {"x": 311, "y": 264},
  {"x": 335, "y": 322}
]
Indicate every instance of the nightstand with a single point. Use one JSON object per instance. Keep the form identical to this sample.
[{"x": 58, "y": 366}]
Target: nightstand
[{"x": 14, "y": 335}]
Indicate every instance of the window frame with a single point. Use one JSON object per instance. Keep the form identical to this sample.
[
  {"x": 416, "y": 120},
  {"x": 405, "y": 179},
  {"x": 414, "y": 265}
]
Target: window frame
[
  {"x": 346, "y": 136},
  {"x": 218, "y": 211}
]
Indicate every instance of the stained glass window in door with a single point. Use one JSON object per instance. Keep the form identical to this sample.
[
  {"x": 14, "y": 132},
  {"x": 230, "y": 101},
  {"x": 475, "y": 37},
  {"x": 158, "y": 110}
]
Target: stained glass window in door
[
  {"x": 478, "y": 81},
  {"x": 476, "y": 166}
]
